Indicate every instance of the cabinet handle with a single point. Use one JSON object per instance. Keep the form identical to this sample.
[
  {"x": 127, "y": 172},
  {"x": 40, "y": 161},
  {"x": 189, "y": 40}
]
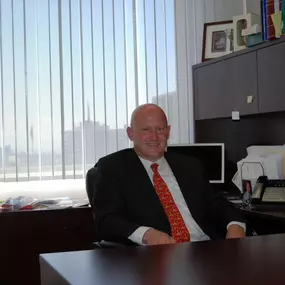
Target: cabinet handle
[{"x": 249, "y": 99}]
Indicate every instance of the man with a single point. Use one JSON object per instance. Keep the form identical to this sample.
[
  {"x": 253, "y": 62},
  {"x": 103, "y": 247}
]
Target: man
[{"x": 148, "y": 196}]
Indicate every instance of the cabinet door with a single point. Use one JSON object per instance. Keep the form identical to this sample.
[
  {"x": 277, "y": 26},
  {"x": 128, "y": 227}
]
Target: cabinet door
[
  {"x": 241, "y": 83},
  {"x": 209, "y": 93},
  {"x": 271, "y": 79},
  {"x": 224, "y": 86}
]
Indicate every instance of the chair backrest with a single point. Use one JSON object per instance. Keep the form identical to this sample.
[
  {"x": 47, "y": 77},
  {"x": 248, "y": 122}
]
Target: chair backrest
[
  {"x": 92, "y": 177},
  {"x": 90, "y": 183}
]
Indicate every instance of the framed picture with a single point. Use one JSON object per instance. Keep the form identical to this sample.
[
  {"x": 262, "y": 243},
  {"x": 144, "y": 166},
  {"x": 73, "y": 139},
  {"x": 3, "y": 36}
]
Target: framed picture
[{"x": 217, "y": 39}]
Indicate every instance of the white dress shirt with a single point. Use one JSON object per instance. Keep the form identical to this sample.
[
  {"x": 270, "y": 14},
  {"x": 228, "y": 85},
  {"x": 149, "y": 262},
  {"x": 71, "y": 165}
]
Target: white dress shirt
[{"x": 165, "y": 172}]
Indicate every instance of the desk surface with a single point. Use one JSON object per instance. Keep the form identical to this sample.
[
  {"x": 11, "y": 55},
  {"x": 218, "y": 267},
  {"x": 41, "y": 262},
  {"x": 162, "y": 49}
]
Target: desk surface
[
  {"x": 256, "y": 260},
  {"x": 270, "y": 211},
  {"x": 25, "y": 234}
]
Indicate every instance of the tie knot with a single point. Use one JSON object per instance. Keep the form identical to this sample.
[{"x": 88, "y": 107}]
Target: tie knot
[{"x": 154, "y": 167}]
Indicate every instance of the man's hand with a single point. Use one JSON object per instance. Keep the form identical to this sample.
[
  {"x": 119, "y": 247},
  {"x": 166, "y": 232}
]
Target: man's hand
[
  {"x": 235, "y": 231},
  {"x": 154, "y": 237}
]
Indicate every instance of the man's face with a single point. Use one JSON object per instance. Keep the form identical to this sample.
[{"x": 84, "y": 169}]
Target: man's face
[{"x": 149, "y": 133}]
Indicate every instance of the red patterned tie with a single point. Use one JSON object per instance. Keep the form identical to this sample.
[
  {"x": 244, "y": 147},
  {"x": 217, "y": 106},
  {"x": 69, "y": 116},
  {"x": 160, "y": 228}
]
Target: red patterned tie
[{"x": 178, "y": 229}]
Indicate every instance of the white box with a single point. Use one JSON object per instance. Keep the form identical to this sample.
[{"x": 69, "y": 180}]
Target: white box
[
  {"x": 240, "y": 23},
  {"x": 251, "y": 167}
]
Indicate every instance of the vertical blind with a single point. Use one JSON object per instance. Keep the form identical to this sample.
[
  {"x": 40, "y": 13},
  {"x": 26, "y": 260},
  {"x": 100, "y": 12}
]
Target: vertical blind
[{"x": 72, "y": 72}]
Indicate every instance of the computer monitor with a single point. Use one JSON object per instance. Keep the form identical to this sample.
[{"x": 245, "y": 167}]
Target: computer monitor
[{"x": 211, "y": 155}]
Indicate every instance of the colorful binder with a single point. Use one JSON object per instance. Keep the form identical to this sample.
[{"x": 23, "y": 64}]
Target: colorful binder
[
  {"x": 283, "y": 15},
  {"x": 269, "y": 7}
]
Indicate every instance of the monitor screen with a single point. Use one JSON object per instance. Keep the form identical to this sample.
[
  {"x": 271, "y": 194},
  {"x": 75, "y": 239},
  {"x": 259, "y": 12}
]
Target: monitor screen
[{"x": 212, "y": 155}]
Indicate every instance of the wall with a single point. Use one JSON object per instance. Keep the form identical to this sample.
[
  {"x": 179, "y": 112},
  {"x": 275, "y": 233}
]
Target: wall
[
  {"x": 226, "y": 9},
  {"x": 190, "y": 16},
  {"x": 253, "y": 6},
  {"x": 199, "y": 12}
]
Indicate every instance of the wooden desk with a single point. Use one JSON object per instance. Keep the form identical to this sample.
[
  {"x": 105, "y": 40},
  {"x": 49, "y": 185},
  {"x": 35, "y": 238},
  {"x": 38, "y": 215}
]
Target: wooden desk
[
  {"x": 26, "y": 234},
  {"x": 266, "y": 221},
  {"x": 255, "y": 260}
]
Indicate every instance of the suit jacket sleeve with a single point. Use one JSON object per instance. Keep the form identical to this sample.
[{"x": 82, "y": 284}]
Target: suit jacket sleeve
[
  {"x": 220, "y": 211},
  {"x": 111, "y": 220}
]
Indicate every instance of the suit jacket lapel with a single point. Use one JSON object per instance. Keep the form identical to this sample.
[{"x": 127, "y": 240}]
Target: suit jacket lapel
[
  {"x": 141, "y": 182},
  {"x": 138, "y": 173},
  {"x": 185, "y": 180}
]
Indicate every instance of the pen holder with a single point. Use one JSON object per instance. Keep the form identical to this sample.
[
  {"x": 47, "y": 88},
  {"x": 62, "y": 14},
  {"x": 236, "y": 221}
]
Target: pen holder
[{"x": 248, "y": 183}]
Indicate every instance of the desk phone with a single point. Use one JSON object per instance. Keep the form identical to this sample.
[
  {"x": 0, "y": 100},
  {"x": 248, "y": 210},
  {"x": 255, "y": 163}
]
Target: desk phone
[{"x": 269, "y": 191}]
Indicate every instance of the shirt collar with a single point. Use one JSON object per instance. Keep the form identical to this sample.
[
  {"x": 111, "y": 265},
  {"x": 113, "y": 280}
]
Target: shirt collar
[{"x": 147, "y": 164}]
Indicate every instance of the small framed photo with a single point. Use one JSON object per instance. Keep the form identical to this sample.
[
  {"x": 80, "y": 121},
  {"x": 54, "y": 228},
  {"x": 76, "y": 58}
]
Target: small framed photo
[{"x": 217, "y": 39}]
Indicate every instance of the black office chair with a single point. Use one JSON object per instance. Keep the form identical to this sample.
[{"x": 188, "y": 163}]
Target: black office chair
[
  {"x": 92, "y": 176},
  {"x": 90, "y": 181}
]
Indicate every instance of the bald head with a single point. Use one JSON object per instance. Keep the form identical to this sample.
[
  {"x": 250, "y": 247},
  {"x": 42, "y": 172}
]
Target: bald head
[
  {"x": 149, "y": 131},
  {"x": 145, "y": 110}
]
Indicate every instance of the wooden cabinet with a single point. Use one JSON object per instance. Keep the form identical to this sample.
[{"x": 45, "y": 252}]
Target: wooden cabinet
[
  {"x": 24, "y": 235},
  {"x": 225, "y": 86},
  {"x": 241, "y": 84},
  {"x": 209, "y": 93},
  {"x": 271, "y": 78},
  {"x": 250, "y": 81}
]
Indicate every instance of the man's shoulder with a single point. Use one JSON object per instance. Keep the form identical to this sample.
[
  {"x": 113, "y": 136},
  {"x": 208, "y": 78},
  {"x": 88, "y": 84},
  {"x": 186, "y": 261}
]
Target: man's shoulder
[
  {"x": 183, "y": 159},
  {"x": 118, "y": 156}
]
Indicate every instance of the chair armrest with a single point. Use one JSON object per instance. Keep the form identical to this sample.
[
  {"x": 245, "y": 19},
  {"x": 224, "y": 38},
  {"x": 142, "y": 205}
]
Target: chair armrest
[{"x": 108, "y": 244}]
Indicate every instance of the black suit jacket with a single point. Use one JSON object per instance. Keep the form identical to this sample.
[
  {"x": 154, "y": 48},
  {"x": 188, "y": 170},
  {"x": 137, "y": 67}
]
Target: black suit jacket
[{"x": 124, "y": 197}]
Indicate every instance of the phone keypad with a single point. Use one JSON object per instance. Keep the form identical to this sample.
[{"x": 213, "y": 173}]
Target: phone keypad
[
  {"x": 274, "y": 194},
  {"x": 276, "y": 183}
]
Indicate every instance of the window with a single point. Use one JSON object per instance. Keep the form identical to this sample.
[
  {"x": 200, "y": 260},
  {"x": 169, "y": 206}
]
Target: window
[{"x": 71, "y": 73}]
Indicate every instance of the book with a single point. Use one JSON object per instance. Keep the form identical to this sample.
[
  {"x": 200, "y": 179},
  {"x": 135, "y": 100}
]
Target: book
[
  {"x": 269, "y": 7},
  {"x": 262, "y": 19},
  {"x": 283, "y": 15}
]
